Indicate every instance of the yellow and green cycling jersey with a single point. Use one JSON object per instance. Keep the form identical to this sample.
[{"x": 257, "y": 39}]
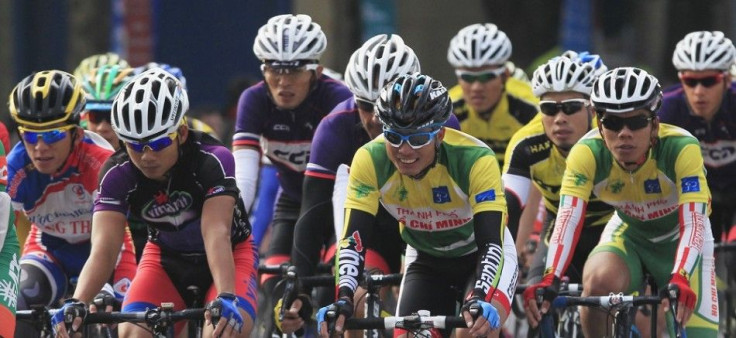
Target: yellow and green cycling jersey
[
  {"x": 516, "y": 107},
  {"x": 435, "y": 213},
  {"x": 647, "y": 198},
  {"x": 531, "y": 156}
]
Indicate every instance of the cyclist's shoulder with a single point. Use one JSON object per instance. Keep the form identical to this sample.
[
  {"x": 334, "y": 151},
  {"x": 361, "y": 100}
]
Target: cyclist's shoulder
[
  {"x": 330, "y": 91},
  {"x": 521, "y": 90},
  {"x": 459, "y": 147}
]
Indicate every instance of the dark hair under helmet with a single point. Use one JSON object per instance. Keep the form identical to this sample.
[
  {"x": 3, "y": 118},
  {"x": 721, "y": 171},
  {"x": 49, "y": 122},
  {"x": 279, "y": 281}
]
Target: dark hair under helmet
[{"x": 413, "y": 101}]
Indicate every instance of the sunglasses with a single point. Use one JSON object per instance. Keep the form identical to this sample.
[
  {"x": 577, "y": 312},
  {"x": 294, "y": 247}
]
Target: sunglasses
[
  {"x": 364, "y": 104},
  {"x": 614, "y": 123},
  {"x": 707, "y": 81},
  {"x": 155, "y": 145},
  {"x": 287, "y": 69},
  {"x": 415, "y": 140},
  {"x": 49, "y": 136},
  {"x": 481, "y": 76},
  {"x": 568, "y": 107},
  {"x": 99, "y": 116}
]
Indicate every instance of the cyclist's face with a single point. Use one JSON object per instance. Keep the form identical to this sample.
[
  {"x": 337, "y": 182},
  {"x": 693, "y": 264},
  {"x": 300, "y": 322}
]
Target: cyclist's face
[
  {"x": 289, "y": 88},
  {"x": 479, "y": 95},
  {"x": 629, "y": 147},
  {"x": 156, "y": 164},
  {"x": 704, "y": 90},
  {"x": 49, "y": 155},
  {"x": 562, "y": 129},
  {"x": 369, "y": 119},
  {"x": 409, "y": 161}
]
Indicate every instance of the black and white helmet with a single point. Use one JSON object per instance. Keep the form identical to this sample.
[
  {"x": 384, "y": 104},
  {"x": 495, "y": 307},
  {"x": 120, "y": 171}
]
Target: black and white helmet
[
  {"x": 290, "y": 38},
  {"x": 561, "y": 74},
  {"x": 625, "y": 89},
  {"x": 379, "y": 61},
  {"x": 479, "y": 45},
  {"x": 413, "y": 101},
  {"x": 704, "y": 50},
  {"x": 151, "y": 105}
]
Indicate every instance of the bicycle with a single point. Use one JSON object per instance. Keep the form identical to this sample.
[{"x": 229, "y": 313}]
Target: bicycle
[
  {"x": 726, "y": 294},
  {"x": 624, "y": 308},
  {"x": 372, "y": 283},
  {"x": 567, "y": 319},
  {"x": 419, "y": 324}
]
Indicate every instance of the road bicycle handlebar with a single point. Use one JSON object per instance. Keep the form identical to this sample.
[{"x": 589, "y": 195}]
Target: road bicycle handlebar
[{"x": 412, "y": 322}]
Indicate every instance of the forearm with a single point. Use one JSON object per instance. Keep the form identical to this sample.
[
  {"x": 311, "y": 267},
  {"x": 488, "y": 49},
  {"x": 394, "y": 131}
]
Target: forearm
[
  {"x": 351, "y": 255},
  {"x": 247, "y": 166},
  {"x": 488, "y": 226},
  {"x": 220, "y": 259},
  {"x": 108, "y": 233},
  {"x": 313, "y": 227},
  {"x": 567, "y": 228},
  {"x": 528, "y": 217},
  {"x": 692, "y": 220}
]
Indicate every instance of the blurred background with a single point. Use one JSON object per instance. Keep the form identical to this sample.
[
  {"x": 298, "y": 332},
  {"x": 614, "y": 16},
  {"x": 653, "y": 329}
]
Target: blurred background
[{"x": 211, "y": 41}]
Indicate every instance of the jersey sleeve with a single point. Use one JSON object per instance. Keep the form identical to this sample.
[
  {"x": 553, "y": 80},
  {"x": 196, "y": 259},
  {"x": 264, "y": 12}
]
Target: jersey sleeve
[
  {"x": 248, "y": 122},
  {"x": 114, "y": 185},
  {"x": 217, "y": 172},
  {"x": 579, "y": 173},
  {"x": 363, "y": 191},
  {"x": 691, "y": 183},
  {"x": 486, "y": 189},
  {"x": 329, "y": 146}
]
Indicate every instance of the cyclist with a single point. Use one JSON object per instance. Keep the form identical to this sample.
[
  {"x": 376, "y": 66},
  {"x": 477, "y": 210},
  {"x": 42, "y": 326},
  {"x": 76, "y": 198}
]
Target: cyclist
[
  {"x": 180, "y": 182},
  {"x": 98, "y": 60},
  {"x": 9, "y": 266},
  {"x": 279, "y": 116},
  {"x": 652, "y": 174},
  {"x": 444, "y": 188},
  {"x": 538, "y": 151},
  {"x": 704, "y": 103},
  {"x": 351, "y": 124},
  {"x": 52, "y": 178},
  {"x": 490, "y": 104}
]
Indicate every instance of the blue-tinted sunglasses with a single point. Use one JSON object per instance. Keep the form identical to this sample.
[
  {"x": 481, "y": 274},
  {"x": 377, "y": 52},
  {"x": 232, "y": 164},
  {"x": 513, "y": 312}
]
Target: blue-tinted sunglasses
[
  {"x": 49, "y": 136},
  {"x": 155, "y": 145},
  {"x": 415, "y": 140}
]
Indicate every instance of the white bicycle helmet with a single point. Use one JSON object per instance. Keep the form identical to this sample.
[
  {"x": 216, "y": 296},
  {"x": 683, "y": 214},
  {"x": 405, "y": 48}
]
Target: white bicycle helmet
[
  {"x": 479, "y": 45},
  {"x": 625, "y": 89},
  {"x": 561, "y": 74},
  {"x": 151, "y": 105},
  {"x": 704, "y": 50},
  {"x": 379, "y": 61},
  {"x": 290, "y": 38}
]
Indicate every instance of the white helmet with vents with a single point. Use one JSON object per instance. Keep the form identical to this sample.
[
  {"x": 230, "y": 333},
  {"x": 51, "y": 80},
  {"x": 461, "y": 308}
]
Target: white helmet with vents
[
  {"x": 379, "y": 61},
  {"x": 151, "y": 105},
  {"x": 625, "y": 89},
  {"x": 561, "y": 74},
  {"x": 704, "y": 50},
  {"x": 479, "y": 45},
  {"x": 290, "y": 38}
]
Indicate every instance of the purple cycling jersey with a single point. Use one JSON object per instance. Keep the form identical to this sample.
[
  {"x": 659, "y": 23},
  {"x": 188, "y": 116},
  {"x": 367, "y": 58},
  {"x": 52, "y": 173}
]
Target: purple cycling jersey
[
  {"x": 285, "y": 136},
  {"x": 717, "y": 138},
  {"x": 172, "y": 209},
  {"x": 339, "y": 136}
]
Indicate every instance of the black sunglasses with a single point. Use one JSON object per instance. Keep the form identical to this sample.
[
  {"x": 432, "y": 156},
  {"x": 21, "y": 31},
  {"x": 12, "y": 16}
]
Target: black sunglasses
[
  {"x": 707, "y": 82},
  {"x": 615, "y": 123},
  {"x": 568, "y": 107},
  {"x": 98, "y": 116}
]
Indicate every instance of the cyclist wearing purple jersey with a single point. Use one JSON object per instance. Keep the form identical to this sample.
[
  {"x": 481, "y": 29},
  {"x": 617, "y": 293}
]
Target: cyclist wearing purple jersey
[
  {"x": 279, "y": 115},
  {"x": 704, "y": 103}
]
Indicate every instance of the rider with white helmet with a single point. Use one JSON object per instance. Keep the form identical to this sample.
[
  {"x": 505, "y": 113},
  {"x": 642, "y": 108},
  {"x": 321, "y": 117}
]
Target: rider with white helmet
[
  {"x": 490, "y": 104},
  {"x": 179, "y": 182},
  {"x": 278, "y": 117}
]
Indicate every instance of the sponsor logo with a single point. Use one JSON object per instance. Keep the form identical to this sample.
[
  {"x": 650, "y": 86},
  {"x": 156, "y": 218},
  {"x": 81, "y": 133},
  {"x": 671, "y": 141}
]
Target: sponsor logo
[
  {"x": 440, "y": 195},
  {"x": 652, "y": 186},
  {"x": 486, "y": 196},
  {"x": 215, "y": 190},
  {"x": 167, "y": 205},
  {"x": 579, "y": 179},
  {"x": 617, "y": 186},
  {"x": 121, "y": 286},
  {"x": 690, "y": 184},
  {"x": 363, "y": 190}
]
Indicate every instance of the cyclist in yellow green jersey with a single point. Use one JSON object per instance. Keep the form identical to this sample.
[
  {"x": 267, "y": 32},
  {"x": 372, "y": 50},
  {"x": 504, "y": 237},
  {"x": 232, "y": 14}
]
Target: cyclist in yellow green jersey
[
  {"x": 489, "y": 103},
  {"x": 653, "y": 175}
]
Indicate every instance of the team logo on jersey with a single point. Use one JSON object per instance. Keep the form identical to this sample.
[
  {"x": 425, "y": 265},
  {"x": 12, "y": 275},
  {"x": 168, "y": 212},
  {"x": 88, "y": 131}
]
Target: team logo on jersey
[
  {"x": 488, "y": 195},
  {"x": 690, "y": 184},
  {"x": 167, "y": 205},
  {"x": 579, "y": 179},
  {"x": 215, "y": 190},
  {"x": 363, "y": 190},
  {"x": 617, "y": 186},
  {"x": 440, "y": 195},
  {"x": 652, "y": 186}
]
